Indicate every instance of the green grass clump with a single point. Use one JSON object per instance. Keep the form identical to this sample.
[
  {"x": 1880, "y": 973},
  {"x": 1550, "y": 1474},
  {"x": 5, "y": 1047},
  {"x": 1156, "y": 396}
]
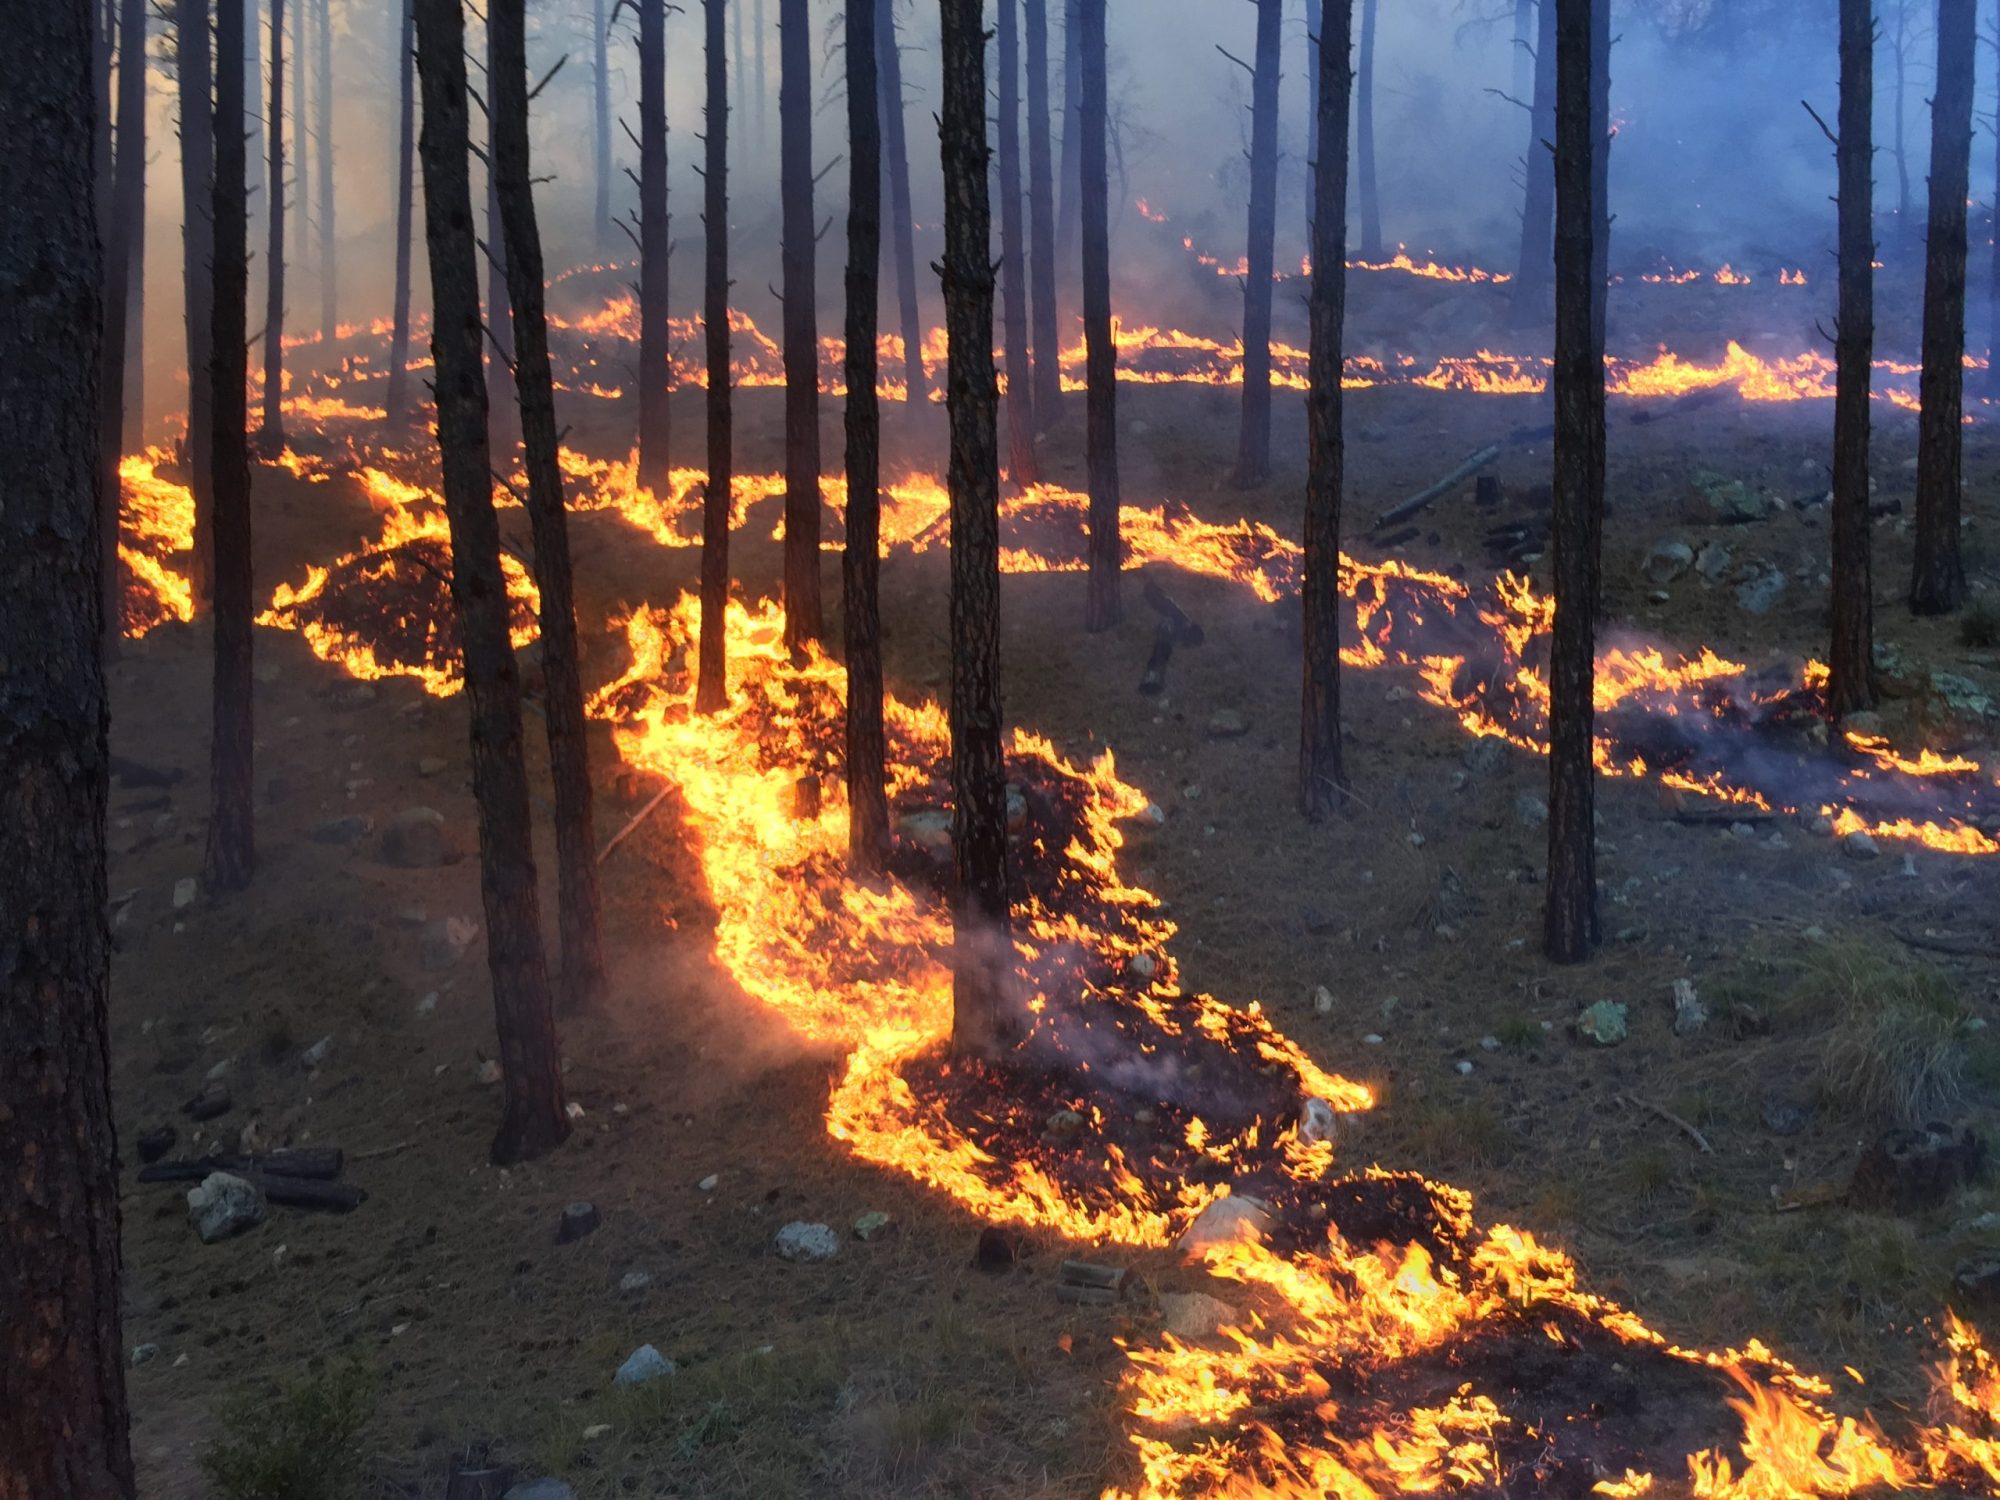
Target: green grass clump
[
  {"x": 1895, "y": 1050},
  {"x": 298, "y": 1445}
]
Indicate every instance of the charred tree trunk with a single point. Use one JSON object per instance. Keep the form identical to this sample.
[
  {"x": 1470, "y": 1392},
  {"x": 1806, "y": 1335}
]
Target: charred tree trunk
[
  {"x": 1851, "y": 655},
  {"x": 329, "y": 277},
  {"x": 1314, "y": 20},
  {"x": 1600, "y": 186},
  {"x": 1570, "y": 918},
  {"x": 502, "y": 414},
  {"x": 562, "y": 700},
  {"x": 1902, "y": 50},
  {"x": 63, "y": 1420},
  {"x": 983, "y": 1022},
  {"x": 1253, "y": 439},
  {"x": 1364, "y": 138},
  {"x": 1070, "y": 180},
  {"x": 1538, "y": 201},
  {"x": 1993, "y": 288},
  {"x": 534, "y": 1120},
  {"x": 231, "y": 854},
  {"x": 1102, "y": 608},
  {"x": 128, "y": 211},
  {"x": 902, "y": 225},
  {"x": 271, "y": 436},
  {"x": 1937, "y": 584},
  {"x": 397, "y": 402},
  {"x": 712, "y": 683},
  {"x": 763, "y": 82},
  {"x": 1045, "y": 321},
  {"x": 600, "y": 121},
  {"x": 253, "y": 86},
  {"x": 655, "y": 239},
  {"x": 801, "y": 330},
  {"x": 196, "y": 83},
  {"x": 861, "y": 561},
  {"x": 134, "y": 434},
  {"x": 1524, "y": 48},
  {"x": 1322, "y": 769},
  {"x": 1013, "y": 257},
  {"x": 302, "y": 144}
]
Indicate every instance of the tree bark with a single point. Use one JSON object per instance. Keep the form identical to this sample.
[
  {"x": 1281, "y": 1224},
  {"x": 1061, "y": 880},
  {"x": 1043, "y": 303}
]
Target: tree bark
[
  {"x": 1070, "y": 173},
  {"x": 1253, "y": 439},
  {"x": 1902, "y": 50},
  {"x": 63, "y": 1430},
  {"x": 533, "y": 1120},
  {"x": 1102, "y": 609},
  {"x": 1570, "y": 917},
  {"x": 195, "y": 77},
  {"x": 861, "y": 561},
  {"x": 600, "y": 121},
  {"x": 655, "y": 239},
  {"x": 1531, "y": 273},
  {"x": 1364, "y": 143},
  {"x": 127, "y": 201},
  {"x": 1937, "y": 583},
  {"x": 902, "y": 226},
  {"x": 329, "y": 277},
  {"x": 502, "y": 415},
  {"x": 1314, "y": 20},
  {"x": 712, "y": 680},
  {"x": 1993, "y": 289},
  {"x": 1322, "y": 769},
  {"x": 1850, "y": 656},
  {"x": 397, "y": 402},
  {"x": 801, "y": 325},
  {"x": 1045, "y": 318},
  {"x": 302, "y": 144},
  {"x": 134, "y": 434},
  {"x": 1524, "y": 48},
  {"x": 763, "y": 83},
  {"x": 1013, "y": 256},
  {"x": 562, "y": 699},
  {"x": 230, "y": 857},
  {"x": 983, "y": 1022},
  {"x": 271, "y": 436},
  {"x": 1600, "y": 196}
]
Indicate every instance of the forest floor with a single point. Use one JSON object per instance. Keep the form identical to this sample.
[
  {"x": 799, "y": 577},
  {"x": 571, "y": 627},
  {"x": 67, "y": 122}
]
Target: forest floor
[{"x": 899, "y": 1368}]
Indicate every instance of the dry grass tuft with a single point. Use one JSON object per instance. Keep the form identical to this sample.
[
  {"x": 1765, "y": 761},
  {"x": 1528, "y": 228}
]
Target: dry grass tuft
[{"x": 1896, "y": 1050}]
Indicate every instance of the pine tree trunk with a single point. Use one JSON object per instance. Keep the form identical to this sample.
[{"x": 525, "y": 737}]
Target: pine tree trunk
[
  {"x": 712, "y": 682},
  {"x": 1937, "y": 584},
  {"x": 861, "y": 561},
  {"x": 1102, "y": 609},
  {"x": 562, "y": 700},
  {"x": 231, "y": 855},
  {"x": 1013, "y": 256},
  {"x": 1600, "y": 197},
  {"x": 134, "y": 435},
  {"x": 983, "y": 1020},
  {"x": 1531, "y": 273},
  {"x": 397, "y": 402},
  {"x": 1851, "y": 654},
  {"x": 1570, "y": 917},
  {"x": 1314, "y": 20},
  {"x": 1069, "y": 184},
  {"x": 902, "y": 226},
  {"x": 502, "y": 414},
  {"x": 1045, "y": 317},
  {"x": 128, "y": 208},
  {"x": 1322, "y": 769},
  {"x": 533, "y": 1121},
  {"x": 253, "y": 86},
  {"x": 329, "y": 277},
  {"x": 1253, "y": 439},
  {"x": 302, "y": 143},
  {"x": 1904, "y": 227},
  {"x": 600, "y": 121},
  {"x": 1993, "y": 288},
  {"x": 655, "y": 237},
  {"x": 763, "y": 81},
  {"x": 271, "y": 436},
  {"x": 801, "y": 325},
  {"x": 1364, "y": 142},
  {"x": 63, "y": 1421},
  {"x": 195, "y": 75},
  {"x": 1524, "y": 48}
]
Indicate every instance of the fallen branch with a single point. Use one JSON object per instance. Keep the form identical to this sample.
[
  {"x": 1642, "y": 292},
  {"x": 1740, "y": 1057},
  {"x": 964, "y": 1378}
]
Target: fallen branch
[
  {"x": 313, "y": 1163},
  {"x": 637, "y": 818},
  {"x": 1945, "y": 943},
  {"x": 1472, "y": 465},
  {"x": 1672, "y": 1119}
]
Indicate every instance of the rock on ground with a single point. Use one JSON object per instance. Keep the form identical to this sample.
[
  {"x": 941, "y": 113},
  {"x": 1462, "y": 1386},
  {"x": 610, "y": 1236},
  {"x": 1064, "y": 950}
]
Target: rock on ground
[
  {"x": 223, "y": 1205},
  {"x": 1195, "y": 1315},
  {"x": 645, "y": 1363},
  {"x": 419, "y": 839},
  {"x": 799, "y": 1241}
]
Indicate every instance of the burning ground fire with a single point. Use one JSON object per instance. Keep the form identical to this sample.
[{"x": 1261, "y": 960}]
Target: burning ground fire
[{"x": 1393, "y": 1343}]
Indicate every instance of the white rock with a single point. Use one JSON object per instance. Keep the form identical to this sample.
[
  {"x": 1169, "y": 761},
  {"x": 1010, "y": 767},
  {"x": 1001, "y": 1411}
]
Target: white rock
[
  {"x": 1195, "y": 1315},
  {"x": 489, "y": 1071},
  {"x": 646, "y": 1363},
  {"x": 223, "y": 1205},
  {"x": 1464, "y": 1069},
  {"x": 1322, "y": 1001},
  {"x": 708, "y": 1183},
  {"x": 1317, "y": 1122},
  {"x": 1690, "y": 1015},
  {"x": 1373, "y": 1039},
  {"x": 806, "y": 1243},
  {"x": 317, "y": 1053},
  {"x": 184, "y": 892},
  {"x": 1858, "y": 845},
  {"x": 1225, "y": 1221}
]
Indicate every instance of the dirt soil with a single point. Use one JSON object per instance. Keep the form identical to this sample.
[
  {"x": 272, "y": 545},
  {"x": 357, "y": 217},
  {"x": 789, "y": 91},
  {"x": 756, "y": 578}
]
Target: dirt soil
[{"x": 899, "y": 1367}]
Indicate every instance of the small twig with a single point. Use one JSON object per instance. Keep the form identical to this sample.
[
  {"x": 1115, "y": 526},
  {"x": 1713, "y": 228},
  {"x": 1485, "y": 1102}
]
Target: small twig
[
  {"x": 637, "y": 818},
  {"x": 1672, "y": 1119},
  {"x": 380, "y": 1151}
]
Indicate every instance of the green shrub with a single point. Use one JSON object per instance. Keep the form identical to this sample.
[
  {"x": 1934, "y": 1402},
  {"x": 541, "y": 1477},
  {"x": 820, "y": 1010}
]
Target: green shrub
[{"x": 297, "y": 1445}]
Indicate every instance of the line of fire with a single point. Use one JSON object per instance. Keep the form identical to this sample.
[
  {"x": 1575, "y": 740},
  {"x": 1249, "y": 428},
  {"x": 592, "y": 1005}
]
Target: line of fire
[{"x": 1141, "y": 749}]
